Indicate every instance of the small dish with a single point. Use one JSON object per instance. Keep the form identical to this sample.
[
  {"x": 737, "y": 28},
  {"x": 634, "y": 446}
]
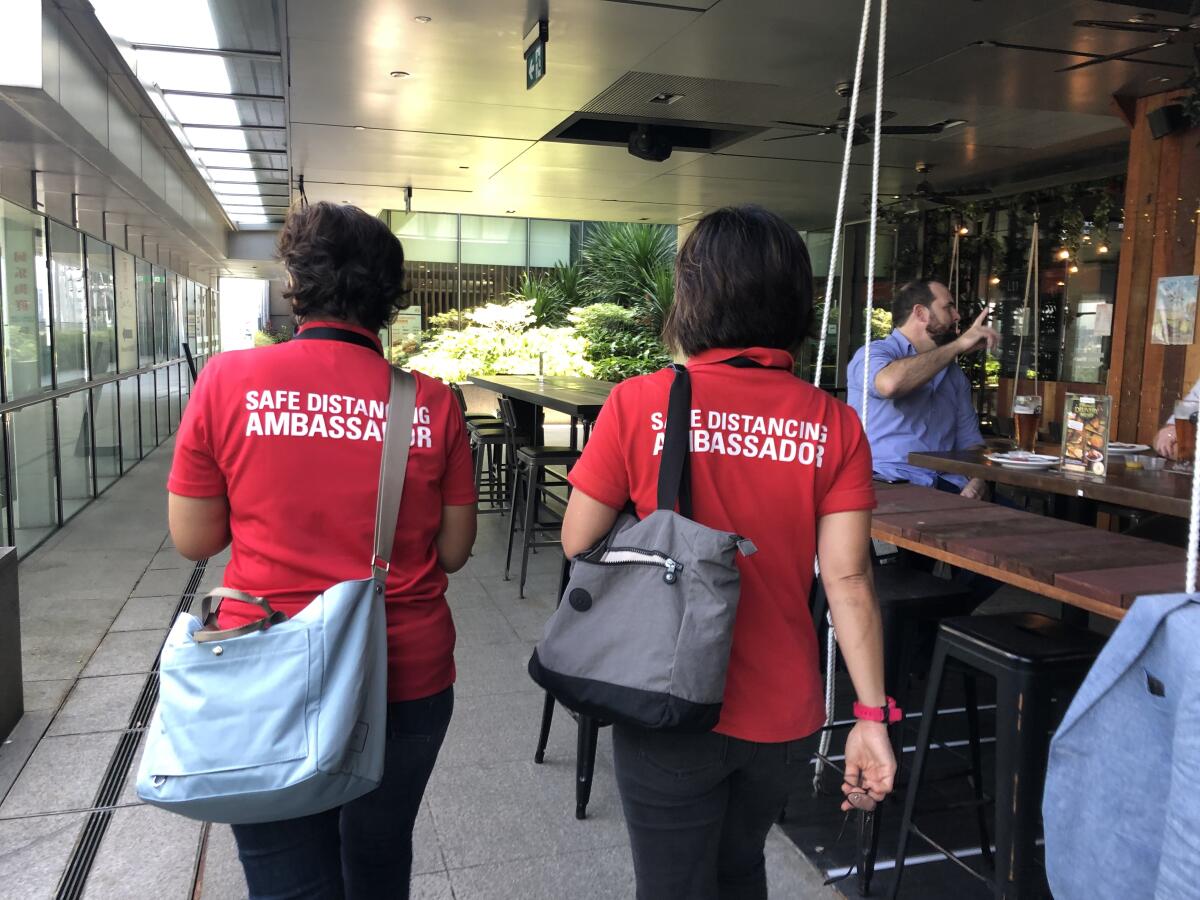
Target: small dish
[{"x": 1153, "y": 463}]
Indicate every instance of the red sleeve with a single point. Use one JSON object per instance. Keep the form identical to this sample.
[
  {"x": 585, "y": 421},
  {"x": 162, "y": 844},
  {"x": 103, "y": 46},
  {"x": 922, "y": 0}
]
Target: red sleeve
[
  {"x": 458, "y": 481},
  {"x": 194, "y": 469},
  {"x": 601, "y": 472},
  {"x": 852, "y": 487}
]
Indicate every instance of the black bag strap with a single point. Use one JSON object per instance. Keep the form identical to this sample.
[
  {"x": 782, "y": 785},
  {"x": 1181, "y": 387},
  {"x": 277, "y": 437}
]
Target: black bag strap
[
  {"x": 323, "y": 333},
  {"x": 674, "y": 475},
  {"x": 673, "y": 483}
]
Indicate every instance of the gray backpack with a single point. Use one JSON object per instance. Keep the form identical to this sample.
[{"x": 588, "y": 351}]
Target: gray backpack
[{"x": 642, "y": 633}]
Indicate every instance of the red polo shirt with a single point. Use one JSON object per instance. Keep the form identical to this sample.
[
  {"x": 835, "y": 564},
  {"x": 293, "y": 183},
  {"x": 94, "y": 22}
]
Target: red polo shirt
[
  {"x": 292, "y": 435},
  {"x": 771, "y": 454}
]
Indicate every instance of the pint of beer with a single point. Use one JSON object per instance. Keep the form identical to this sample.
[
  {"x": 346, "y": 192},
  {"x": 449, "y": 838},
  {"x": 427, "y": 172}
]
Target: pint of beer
[
  {"x": 1027, "y": 413},
  {"x": 1185, "y": 432}
]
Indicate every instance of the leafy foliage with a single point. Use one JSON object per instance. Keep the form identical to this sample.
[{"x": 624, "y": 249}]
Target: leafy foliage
[
  {"x": 881, "y": 323},
  {"x": 619, "y": 345},
  {"x": 621, "y": 261},
  {"x": 265, "y": 337}
]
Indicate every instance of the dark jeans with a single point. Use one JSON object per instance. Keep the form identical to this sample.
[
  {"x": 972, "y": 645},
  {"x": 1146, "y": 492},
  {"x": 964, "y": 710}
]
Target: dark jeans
[
  {"x": 698, "y": 808},
  {"x": 363, "y": 849}
]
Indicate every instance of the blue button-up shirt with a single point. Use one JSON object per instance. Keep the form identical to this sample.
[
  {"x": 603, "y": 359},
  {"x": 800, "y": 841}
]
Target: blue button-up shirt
[{"x": 936, "y": 417}]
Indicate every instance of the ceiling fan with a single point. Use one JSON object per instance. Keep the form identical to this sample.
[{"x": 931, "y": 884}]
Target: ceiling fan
[
  {"x": 1165, "y": 33},
  {"x": 925, "y": 193},
  {"x": 863, "y": 126}
]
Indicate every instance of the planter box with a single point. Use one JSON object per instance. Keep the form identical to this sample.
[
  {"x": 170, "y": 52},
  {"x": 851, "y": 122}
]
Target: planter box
[{"x": 12, "y": 705}]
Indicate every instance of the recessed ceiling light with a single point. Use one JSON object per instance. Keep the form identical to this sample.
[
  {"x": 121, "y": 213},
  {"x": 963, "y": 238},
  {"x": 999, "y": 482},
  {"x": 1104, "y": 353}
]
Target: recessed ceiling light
[
  {"x": 400, "y": 73},
  {"x": 359, "y": 128},
  {"x": 1159, "y": 79},
  {"x": 424, "y": 20}
]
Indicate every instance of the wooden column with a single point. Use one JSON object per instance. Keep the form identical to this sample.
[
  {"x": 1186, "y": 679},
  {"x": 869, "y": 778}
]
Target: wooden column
[{"x": 1162, "y": 196}]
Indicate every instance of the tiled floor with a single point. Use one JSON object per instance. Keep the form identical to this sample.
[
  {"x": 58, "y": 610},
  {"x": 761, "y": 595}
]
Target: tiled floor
[{"x": 96, "y": 601}]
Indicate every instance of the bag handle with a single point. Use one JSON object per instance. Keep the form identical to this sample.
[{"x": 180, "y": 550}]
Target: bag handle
[
  {"x": 272, "y": 617},
  {"x": 392, "y": 468}
]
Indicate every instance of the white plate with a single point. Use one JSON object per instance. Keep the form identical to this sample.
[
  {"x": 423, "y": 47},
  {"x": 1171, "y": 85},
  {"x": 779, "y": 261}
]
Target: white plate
[
  {"x": 1122, "y": 449},
  {"x": 1019, "y": 460}
]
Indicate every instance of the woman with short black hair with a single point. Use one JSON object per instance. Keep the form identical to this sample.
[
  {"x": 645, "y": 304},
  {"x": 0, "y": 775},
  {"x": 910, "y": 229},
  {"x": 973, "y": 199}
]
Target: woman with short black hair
[
  {"x": 278, "y": 453},
  {"x": 787, "y": 466}
]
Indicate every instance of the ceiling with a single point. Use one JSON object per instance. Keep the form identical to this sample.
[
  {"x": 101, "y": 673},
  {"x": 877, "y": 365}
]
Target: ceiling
[{"x": 467, "y": 136}]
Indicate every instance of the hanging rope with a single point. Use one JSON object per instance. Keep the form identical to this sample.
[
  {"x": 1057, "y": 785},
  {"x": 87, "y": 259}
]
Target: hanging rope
[
  {"x": 841, "y": 201},
  {"x": 1193, "y": 549},
  {"x": 831, "y": 636},
  {"x": 1030, "y": 285}
]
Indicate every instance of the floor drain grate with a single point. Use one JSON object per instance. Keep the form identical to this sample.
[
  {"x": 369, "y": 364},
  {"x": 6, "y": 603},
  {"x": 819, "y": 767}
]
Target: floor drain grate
[{"x": 83, "y": 857}]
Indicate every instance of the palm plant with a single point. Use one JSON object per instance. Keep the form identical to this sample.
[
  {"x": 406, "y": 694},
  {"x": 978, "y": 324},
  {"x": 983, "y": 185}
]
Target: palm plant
[
  {"x": 550, "y": 305},
  {"x": 658, "y": 293},
  {"x": 621, "y": 259}
]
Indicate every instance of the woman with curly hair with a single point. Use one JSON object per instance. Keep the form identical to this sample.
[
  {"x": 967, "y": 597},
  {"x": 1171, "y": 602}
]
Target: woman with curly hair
[{"x": 278, "y": 455}]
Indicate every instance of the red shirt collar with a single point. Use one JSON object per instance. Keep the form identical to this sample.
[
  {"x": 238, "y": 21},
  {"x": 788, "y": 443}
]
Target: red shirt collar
[
  {"x": 345, "y": 326},
  {"x": 764, "y": 356}
]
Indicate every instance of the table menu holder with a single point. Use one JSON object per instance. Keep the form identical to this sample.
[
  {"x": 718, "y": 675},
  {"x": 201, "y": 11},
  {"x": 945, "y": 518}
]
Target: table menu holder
[{"x": 1085, "y": 434}]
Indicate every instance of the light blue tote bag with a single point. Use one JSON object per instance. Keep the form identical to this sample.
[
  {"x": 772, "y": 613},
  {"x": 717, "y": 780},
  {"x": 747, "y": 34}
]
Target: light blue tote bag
[{"x": 282, "y": 717}]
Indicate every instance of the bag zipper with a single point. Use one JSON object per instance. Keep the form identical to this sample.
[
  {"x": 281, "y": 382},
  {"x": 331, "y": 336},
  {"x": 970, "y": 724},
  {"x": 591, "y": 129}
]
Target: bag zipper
[{"x": 636, "y": 556}]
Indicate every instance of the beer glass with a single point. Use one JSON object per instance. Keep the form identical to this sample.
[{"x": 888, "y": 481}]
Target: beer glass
[
  {"x": 1185, "y": 432},
  {"x": 1027, "y": 414}
]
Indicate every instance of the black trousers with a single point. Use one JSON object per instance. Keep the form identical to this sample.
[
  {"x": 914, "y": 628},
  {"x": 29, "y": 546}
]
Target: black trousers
[
  {"x": 362, "y": 850},
  {"x": 698, "y": 808}
]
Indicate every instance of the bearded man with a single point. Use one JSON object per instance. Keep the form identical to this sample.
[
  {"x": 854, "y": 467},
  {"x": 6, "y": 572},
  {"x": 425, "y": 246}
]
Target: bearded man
[{"x": 920, "y": 400}]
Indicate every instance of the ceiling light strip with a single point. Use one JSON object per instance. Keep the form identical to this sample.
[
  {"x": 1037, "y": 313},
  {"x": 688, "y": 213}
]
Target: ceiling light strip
[
  {"x": 233, "y": 127},
  {"x": 229, "y": 95},
  {"x": 265, "y": 55}
]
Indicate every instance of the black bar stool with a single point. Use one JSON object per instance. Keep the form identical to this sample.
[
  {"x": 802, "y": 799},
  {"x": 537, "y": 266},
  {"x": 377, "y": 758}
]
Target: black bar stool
[
  {"x": 471, "y": 418},
  {"x": 488, "y": 444},
  {"x": 530, "y": 482},
  {"x": 911, "y": 602},
  {"x": 1034, "y": 660}
]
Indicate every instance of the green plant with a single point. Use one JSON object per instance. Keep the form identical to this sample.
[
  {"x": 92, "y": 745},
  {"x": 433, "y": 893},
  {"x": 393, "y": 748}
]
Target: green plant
[
  {"x": 265, "y": 337},
  {"x": 621, "y": 259},
  {"x": 547, "y": 304},
  {"x": 618, "y": 343},
  {"x": 881, "y": 323},
  {"x": 657, "y": 297}
]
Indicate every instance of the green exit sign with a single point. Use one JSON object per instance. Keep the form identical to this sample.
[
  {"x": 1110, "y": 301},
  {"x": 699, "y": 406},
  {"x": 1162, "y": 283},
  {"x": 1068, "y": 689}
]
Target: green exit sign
[{"x": 535, "y": 56}]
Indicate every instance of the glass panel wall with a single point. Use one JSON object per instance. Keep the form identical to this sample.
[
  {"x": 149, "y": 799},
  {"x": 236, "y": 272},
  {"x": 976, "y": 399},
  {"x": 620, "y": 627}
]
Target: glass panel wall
[
  {"x": 163, "y": 403},
  {"x": 35, "y": 489},
  {"x": 74, "y": 452},
  {"x": 127, "y": 345},
  {"x": 131, "y": 435},
  {"x": 550, "y": 243},
  {"x": 158, "y": 280},
  {"x": 102, "y": 307},
  {"x": 173, "y": 349},
  {"x": 107, "y": 435},
  {"x": 145, "y": 313},
  {"x": 147, "y": 405},
  {"x": 69, "y": 296},
  {"x": 26, "y": 303}
]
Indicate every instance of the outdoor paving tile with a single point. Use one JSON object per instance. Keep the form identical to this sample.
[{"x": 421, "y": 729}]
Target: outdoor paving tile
[
  {"x": 55, "y": 657},
  {"x": 63, "y": 774},
  {"x": 482, "y": 625},
  {"x": 142, "y": 613},
  {"x": 45, "y": 695},
  {"x": 498, "y": 727},
  {"x": 221, "y": 877},
  {"x": 81, "y": 574},
  {"x": 431, "y": 887},
  {"x": 125, "y": 652},
  {"x": 105, "y": 526},
  {"x": 605, "y": 874},
  {"x": 170, "y": 558},
  {"x": 789, "y": 874},
  {"x": 427, "y": 851},
  {"x": 129, "y": 795},
  {"x": 125, "y": 869},
  {"x": 162, "y": 583},
  {"x": 34, "y": 852},
  {"x": 493, "y": 813},
  {"x": 16, "y": 749},
  {"x": 98, "y": 704},
  {"x": 493, "y": 669}
]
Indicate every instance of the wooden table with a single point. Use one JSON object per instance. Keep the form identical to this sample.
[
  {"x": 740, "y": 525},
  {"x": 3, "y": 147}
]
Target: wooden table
[
  {"x": 578, "y": 397},
  {"x": 1161, "y": 492},
  {"x": 1083, "y": 567}
]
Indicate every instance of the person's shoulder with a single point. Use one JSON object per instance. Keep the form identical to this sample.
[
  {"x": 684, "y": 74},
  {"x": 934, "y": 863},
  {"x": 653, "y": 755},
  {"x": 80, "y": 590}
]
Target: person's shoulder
[
  {"x": 230, "y": 364},
  {"x": 432, "y": 391},
  {"x": 640, "y": 387}
]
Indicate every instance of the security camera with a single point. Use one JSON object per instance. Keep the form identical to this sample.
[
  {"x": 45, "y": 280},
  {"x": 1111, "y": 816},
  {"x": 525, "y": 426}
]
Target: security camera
[{"x": 649, "y": 142}]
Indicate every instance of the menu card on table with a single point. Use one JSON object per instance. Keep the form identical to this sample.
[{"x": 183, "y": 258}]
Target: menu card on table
[{"x": 1085, "y": 434}]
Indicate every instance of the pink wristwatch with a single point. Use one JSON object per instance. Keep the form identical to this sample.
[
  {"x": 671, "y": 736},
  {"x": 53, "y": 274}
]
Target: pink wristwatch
[{"x": 888, "y": 715}]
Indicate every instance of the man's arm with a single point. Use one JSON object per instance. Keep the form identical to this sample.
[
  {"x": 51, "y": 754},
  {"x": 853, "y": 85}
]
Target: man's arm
[{"x": 905, "y": 375}]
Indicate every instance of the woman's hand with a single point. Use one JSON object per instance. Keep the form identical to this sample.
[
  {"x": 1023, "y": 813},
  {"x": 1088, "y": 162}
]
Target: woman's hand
[
  {"x": 870, "y": 766},
  {"x": 1164, "y": 442}
]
